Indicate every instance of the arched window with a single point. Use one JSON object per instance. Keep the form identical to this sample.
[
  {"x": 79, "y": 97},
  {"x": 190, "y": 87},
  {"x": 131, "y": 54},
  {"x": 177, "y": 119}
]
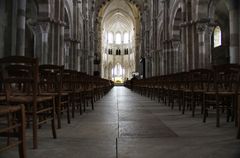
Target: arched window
[
  {"x": 126, "y": 38},
  {"x": 110, "y": 37},
  {"x": 217, "y": 37},
  {"x": 118, "y": 70},
  {"x": 118, "y": 38}
]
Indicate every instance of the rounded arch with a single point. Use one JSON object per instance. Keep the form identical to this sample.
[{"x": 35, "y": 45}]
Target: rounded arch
[
  {"x": 113, "y": 12},
  {"x": 217, "y": 37},
  {"x": 67, "y": 16},
  {"x": 175, "y": 15},
  {"x": 118, "y": 37},
  {"x": 67, "y": 33},
  {"x": 30, "y": 34},
  {"x": 220, "y": 40},
  {"x": 220, "y": 17},
  {"x": 176, "y": 29},
  {"x": 110, "y": 37},
  {"x": 126, "y": 37},
  {"x": 160, "y": 36}
]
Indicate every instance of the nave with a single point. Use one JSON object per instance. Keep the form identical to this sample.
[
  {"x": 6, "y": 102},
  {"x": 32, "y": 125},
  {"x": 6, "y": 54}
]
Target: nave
[{"x": 125, "y": 124}]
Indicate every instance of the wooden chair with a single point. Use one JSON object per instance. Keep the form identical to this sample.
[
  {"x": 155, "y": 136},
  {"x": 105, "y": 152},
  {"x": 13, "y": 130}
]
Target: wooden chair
[
  {"x": 21, "y": 80},
  {"x": 12, "y": 124},
  {"x": 69, "y": 85},
  {"x": 51, "y": 84},
  {"x": 196, "y": 85},
  {"x": 222, "y": 93},
  {"x": 87, "y": 90}
]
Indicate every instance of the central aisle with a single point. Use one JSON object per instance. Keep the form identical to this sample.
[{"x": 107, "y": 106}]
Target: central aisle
[{"x": 127, "y": 125}]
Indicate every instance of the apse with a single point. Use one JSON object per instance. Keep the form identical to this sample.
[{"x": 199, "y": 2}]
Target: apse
[{"x": 118, "y": 40}]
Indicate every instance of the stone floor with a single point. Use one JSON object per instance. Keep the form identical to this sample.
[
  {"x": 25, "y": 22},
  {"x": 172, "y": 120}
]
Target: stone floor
[{"x": 126, "y": 125}]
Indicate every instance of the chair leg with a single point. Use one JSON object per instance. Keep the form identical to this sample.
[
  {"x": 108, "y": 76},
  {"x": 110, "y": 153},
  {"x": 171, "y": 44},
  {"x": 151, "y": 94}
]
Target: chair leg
[
  {"x": 183, "y": 108},
  {"x": 81, "y": 101},
  {"x": 92, "y": 103},
  {"x": 59, "y": 116},
  {"x": 35, "y": 127},
  {"x": 218, "y": 113},
  {"x": 68, "y": 111},
  {"x": 85, "y": 104},
  {"x": 22, "y": 145},
  {"x": 54, "y": 133},
  {"x": 73, "y": 105}
]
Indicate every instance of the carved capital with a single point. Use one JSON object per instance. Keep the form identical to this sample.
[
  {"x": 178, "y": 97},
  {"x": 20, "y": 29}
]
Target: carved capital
[
  {"x": 202, "y": 27},
  {"x": 176, "y": 44},
  {"x": 34, "y": 26},
  {"x": 45, "y": 26}
]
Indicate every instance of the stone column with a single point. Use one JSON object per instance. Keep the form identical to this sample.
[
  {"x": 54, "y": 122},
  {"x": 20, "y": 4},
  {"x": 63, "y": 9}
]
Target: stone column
[
  {"x": 61, "y": 52},
  {"x": 85, "y": 53},
  {"x": 157, "y": 62},
  {"x": 45, "y": 28},
  {"x": 38, "y": 39},
  {"x": 51, "y": 40},
  {"x": 154, "y": 60},
  {"x": 165, "y": 58},
  {"x": 176, "y": 45},
  {"x": 66, "y": 54},
  {"x": 184, "y": 53},
  {"x": 71, "y": 55},
  {"x": 77, "y": 57},
  {"x": 201, "y": 39},
  {"x": 62, "y": 18},
  {"x": 161, "y": 62},
  {"x": 234, "y": 32},
  {"x": 57, "y": 52},
  {"x": 194, "y": 47},
  {"x": 21, "y": 20},
  {"x": 204, "y": 39},
  {"x": 169, "y": 57}
]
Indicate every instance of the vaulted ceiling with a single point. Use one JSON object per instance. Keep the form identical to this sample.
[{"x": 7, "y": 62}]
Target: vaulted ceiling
[
  {"x": 119, "y": 14},
  {"x": 139, "y": 3}
]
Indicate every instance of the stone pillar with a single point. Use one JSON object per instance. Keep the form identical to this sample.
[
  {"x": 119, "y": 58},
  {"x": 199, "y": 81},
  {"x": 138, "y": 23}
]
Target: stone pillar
[
  {"x": 154, "y": 68},
  {"x": 234, "y": 32},
  {"x": 41, "y": 31},
  {"x": 201, "y": 36},
  {"x": 170, "y": 57},
  {"x": 61, "y": 26},
  {"x": 66, "y": 54},
  {"x": 77, "y": 56},
  {"x": 190, "y": 46},
  {"x": 61, "y": 53},
  {"x": 57, "y": 33},
  {"x": 51, "y": 40},
  {"x": 176, "y": 52},
  {"x": 204, "y": 39},
  {"x": 184, "y": 51},
  {"x": 71, "y": 55},
  {"x": 85, "y": 53},
  {"x": 194, "y": 47},
  {"x": 21, "y": 20},
  {"x": 165, "y": 59},
  {"x": 157, "y": 63}
]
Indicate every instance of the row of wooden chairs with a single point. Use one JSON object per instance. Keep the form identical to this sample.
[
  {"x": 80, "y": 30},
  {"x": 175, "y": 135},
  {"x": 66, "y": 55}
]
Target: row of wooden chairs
[
  {"x": 47, "y": 91},
  {"x": 207, "y": 89},
  {"x": 12, "y": 128}
]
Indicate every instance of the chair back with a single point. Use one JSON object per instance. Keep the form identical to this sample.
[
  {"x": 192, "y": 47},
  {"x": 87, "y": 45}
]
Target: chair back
[
  {"x": 19, "y": 75},
  {"x": 50, "y": 78}
]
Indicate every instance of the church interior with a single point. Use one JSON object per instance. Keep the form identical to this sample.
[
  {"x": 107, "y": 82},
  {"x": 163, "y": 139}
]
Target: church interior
[{"x": 119, "y": 78}]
